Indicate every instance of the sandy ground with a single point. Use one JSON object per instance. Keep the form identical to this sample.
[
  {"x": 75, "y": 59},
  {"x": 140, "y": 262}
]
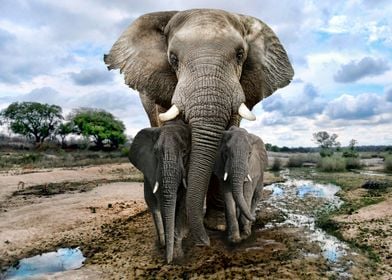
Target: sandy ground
[
  {"x": 371, "y": 226},
  {"x": 109, "y": 222}
]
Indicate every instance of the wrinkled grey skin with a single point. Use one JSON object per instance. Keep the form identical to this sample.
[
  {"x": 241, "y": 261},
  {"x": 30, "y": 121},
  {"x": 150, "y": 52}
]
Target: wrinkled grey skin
[
  {"x": 162, "y": 155},
  {"x": 240, "y": 154},
  {"x": 206, "y": 62}
]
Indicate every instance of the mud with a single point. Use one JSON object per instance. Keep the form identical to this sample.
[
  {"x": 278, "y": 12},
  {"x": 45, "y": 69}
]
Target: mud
[{"x": 112, "y": 227}]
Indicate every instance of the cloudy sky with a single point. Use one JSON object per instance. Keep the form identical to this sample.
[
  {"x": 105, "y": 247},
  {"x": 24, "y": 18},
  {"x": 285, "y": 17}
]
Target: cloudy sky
[{"x": 341, "y": 51}]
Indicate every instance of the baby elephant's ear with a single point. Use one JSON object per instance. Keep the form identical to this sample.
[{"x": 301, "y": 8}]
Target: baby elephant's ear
[
  {"x": 141, "y": 54},
  {"x": 141, "y": 153},
  {"x": 267, "y": 67}
]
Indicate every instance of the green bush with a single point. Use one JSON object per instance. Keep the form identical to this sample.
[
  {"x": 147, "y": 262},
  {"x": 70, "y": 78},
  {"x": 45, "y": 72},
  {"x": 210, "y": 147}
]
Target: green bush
[
  {"x": 353, "y": 163},
  {"x": 350, "y": 153},
  {"x": 276, "y": 164},
  {"x": 388, "y": 164},
  {"x": 332, "y": 164}
]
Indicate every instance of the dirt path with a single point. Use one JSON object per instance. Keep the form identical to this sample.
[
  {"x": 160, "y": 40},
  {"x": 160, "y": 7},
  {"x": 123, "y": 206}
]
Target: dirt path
[{"x": 17, "y": 179}]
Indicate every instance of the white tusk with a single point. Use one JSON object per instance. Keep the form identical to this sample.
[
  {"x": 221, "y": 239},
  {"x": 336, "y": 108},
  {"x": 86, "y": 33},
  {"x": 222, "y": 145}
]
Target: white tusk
[
  {"x": 246, "y": 113},
  {"x": 249, "y": 178},
  {"x": 225, "y": 176},
  {"x": 155, "y": 187},
  {"x": 184, "y": 183},
  {"x": 170, "y": 114}
]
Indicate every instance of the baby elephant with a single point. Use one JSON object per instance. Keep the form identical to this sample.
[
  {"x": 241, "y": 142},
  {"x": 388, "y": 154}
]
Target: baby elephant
[
  {"x": 161, "y": 154},
  {"x": 240, "y": 165}
]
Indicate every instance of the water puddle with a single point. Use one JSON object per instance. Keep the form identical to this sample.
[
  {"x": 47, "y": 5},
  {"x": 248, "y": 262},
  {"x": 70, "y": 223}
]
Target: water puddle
[
  {"x": 299, "y": 201},
  {"x": 61, "y": 260}
]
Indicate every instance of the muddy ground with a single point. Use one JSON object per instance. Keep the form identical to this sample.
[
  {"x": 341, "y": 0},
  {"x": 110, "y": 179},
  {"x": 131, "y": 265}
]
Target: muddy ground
[{"x": 99, "y": 210}]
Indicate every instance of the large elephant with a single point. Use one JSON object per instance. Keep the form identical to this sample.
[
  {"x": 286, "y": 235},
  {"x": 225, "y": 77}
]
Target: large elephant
[
  {"x": 241, "y": 161},
  {"x": 162, "y": 155},
  {"x": 211, "y": 67}
]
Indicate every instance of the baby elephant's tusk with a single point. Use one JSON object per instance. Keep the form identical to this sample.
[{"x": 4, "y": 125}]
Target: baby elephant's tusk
[{"x": 155, "y": 187}]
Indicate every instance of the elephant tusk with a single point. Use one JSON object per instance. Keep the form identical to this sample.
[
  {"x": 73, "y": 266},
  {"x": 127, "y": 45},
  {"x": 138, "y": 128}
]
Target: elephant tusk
[
  {"x": 246, "y": 113},
  {"x": 249, "y": 178},
  {"x": 170, "y": 114},
  {"x": 184, "y": 183},
  {"x": 155, "y": 187},
  {"x": 225, "y": 176}
]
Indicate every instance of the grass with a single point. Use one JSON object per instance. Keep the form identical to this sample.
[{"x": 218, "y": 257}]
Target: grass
[
  {"x": 388, "y": 164},
  {"x": 298, "y": 160},
  {"x": 276, "y": 164},
  {"x": 58, "y": 158},
  {"x": 332, "y": 164},
  {"x": 353, "y": 163}
]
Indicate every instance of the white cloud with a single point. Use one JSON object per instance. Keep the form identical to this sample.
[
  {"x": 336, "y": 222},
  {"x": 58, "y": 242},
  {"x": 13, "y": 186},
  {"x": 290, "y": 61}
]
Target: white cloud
[{"x": 52, "y": 51}]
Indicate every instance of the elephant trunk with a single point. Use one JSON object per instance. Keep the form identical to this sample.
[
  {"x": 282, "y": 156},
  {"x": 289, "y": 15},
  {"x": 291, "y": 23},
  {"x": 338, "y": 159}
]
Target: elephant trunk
[
  {"x": 238, "y": 192},
  {"x": 212, "y": 97},
  {"x": 171, "y": 180},
  {"x": 205, "y": 142}
]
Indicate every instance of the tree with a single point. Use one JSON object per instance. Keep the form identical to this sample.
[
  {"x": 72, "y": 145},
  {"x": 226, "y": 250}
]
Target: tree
[
  {"x": 351, "y": 151},
  {"x": 100, "y": 125},
  {"x": 63, "y": 130},
  {"x": 326, "y": 142},
  {"x": 32, "y": 119}
]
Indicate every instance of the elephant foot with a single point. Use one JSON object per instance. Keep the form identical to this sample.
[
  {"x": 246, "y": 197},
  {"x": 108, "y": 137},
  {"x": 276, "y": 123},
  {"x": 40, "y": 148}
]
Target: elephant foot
[
  {"x": 178, "y": 253},
  {"x": 234, "y": 238},
  {"x": 202, "y": 242},
  {"x": 215, "y": 220},
  {"x": 246, "y": 232}
]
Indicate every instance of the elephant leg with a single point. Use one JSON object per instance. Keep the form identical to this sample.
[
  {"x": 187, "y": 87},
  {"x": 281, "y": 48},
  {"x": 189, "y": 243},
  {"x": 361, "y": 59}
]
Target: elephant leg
[
  {"x": 233, "y": 230},
  {"x": 181, "y": 225},
  {"x": 156, "y": 214},
  {"x": 256, "y": 198},
  {"x": 246, "y": 225},
  {"x": 153, "y": 205},
  {"x": 215, "y": 215}
]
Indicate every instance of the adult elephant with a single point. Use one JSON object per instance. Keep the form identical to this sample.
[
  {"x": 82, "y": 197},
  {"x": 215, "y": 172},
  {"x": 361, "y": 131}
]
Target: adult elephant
[{"x": 211, "y": 67}]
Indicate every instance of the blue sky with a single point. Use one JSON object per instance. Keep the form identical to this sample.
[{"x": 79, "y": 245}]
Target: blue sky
[{"x": 341, "y": 51}]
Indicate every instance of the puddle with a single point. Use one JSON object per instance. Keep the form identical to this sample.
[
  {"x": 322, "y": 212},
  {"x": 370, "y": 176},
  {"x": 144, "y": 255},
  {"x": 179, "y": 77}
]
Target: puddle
[
  {"x": 299, "y": 201},
  {"x": 61, "y": 260}
]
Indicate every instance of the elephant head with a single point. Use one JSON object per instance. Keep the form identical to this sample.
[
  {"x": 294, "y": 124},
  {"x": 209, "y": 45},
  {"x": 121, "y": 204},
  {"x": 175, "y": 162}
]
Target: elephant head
[
  {"x": 211, "y": 67},
  {"x": 162, "y": 155}
]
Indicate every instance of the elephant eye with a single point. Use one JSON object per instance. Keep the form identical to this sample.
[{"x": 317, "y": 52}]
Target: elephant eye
[
  {"x": 173, "y": 61},
  {"x": 240, "y": 55}
]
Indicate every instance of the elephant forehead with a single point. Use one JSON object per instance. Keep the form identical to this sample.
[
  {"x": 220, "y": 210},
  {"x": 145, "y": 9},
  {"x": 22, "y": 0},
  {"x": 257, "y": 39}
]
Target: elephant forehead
[{"x": 206, "y": 32}]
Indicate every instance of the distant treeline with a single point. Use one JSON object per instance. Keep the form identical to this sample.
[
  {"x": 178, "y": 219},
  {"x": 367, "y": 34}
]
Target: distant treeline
[{"x": 284, "y": 149}]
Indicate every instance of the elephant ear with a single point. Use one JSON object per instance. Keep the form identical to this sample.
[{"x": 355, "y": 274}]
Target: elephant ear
[
  {"x": 141, "y": 153},
  {"x": 258, "y": 149},
  {"x": 267, "y": 67},
  {"x": 141, "y": 54}
]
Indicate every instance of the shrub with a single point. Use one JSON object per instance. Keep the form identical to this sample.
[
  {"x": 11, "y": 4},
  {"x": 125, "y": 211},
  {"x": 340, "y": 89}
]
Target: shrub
[
  {"x": 276, "y": 164},
  {"x": 296, "y": 161},
  {"x": 353, "y": 163},
  {"x": 332, "y": 164},
  {"x": 388, "y": 164}
]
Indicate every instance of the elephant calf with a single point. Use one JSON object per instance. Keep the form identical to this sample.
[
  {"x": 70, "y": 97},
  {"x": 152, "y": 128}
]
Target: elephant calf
[
  {"x": 161, "y": 154},
  {"x": 240, "y": 165}
]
